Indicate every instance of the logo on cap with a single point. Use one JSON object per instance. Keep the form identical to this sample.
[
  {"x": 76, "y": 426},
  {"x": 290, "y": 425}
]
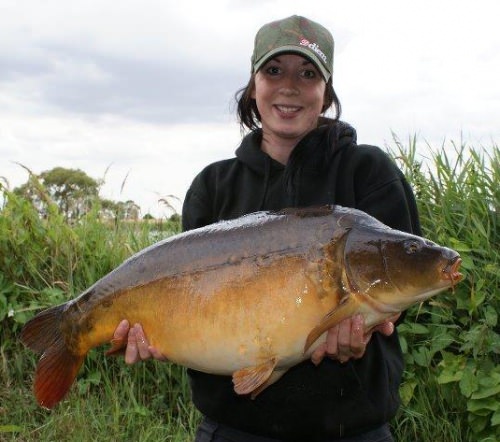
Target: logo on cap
[{"x": 315, "y": 48}]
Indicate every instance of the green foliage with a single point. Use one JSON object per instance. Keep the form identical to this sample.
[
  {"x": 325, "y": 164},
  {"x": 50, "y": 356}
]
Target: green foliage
[
  {"x": 74, "y": 194},
  {"x": 453, "y": 340},
  {"x": 46, "y": 260},
  {"x": 71, "y": 189},
  {"x": 451, "y": 387}
]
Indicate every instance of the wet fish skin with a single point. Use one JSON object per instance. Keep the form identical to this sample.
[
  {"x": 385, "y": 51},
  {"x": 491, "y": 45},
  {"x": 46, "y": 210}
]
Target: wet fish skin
[{"x": 249, "y": 297}]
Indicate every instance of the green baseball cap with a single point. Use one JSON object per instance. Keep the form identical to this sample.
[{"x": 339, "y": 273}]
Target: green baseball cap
[{"x": 297, "y": 35}]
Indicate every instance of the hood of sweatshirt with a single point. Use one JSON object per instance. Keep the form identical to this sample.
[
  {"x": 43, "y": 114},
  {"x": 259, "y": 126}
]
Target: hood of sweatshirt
[
  {"x": 311, "y": 157},
  {"x": 312, "y": 153},
  {"x": 250, "y": 154}
]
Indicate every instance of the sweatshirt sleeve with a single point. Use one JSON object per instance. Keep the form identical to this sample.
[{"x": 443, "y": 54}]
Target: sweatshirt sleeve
[
  {"x": 379, "y": 188},
  {"x": 394, "y": 204},
  {"x": 196, "y": 210}
]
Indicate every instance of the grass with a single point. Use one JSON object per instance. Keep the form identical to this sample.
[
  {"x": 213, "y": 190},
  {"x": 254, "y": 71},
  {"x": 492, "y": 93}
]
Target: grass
[
  {"x": 451, "y": 389},
  {"x": 146, "y": 402}
]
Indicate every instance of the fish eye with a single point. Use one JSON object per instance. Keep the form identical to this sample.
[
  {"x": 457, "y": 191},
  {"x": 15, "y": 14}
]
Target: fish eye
[{"x": 412, "y": 246}]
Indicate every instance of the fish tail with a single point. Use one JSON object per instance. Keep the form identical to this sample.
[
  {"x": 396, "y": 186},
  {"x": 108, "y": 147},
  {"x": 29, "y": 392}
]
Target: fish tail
[{"x": 58, "y": 366}]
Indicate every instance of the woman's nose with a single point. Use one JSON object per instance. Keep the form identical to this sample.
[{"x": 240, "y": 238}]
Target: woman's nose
[{"x": 289, "y": 85}]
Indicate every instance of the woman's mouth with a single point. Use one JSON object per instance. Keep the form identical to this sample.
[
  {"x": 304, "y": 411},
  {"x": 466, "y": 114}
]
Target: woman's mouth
[{"x": 287, "y": 110}]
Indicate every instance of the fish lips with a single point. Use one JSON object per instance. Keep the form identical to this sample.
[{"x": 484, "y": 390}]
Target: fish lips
[{"x": 451, "y": 271}]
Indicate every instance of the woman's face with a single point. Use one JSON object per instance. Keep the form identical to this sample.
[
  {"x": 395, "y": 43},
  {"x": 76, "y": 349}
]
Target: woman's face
[{"x": 289, "y": 92}]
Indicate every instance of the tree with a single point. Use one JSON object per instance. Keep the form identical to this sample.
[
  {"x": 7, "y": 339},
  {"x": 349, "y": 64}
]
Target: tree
[
  {"x": 75, "y": 193},
  {"x": 71, "y": 189}
]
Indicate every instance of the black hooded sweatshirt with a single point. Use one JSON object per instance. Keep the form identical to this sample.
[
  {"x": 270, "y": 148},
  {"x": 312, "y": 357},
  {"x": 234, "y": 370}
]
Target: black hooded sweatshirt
[{"x": 326, "y": 167}]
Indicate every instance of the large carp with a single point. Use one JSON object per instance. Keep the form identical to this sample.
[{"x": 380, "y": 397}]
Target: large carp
[{"x": 249, "y": 297}]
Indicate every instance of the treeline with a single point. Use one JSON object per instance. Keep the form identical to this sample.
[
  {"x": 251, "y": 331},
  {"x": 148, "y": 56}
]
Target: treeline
[{"x": 76, "y": 194}]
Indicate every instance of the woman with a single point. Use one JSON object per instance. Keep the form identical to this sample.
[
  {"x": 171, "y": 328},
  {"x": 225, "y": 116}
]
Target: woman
[{"x": 293, "y": 156}]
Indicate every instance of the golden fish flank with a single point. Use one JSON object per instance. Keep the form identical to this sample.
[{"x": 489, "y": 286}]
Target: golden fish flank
[{"x": 257, "y": 293}]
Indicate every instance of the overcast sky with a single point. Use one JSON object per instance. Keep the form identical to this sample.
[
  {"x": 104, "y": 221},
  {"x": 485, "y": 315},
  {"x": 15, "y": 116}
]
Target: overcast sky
[{"x": 144, "y": 89}]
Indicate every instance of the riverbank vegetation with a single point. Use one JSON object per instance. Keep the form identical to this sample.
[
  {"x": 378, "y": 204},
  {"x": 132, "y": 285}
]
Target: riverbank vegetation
[{"x": 451, "y": 388}]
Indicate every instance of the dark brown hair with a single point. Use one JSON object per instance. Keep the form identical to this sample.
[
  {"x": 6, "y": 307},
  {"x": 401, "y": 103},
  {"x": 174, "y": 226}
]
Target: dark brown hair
[{"x": 249, "y": 116}]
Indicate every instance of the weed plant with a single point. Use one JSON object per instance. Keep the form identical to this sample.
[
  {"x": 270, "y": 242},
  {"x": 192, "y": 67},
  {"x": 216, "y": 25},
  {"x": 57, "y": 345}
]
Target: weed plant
[{"x": 451, "y": 388}]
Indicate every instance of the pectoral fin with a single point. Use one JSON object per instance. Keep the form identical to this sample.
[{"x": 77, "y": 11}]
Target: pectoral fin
[
  {"x": 347, "y": 307},
  {"x": 249, "y": 379},
  {"x": 118, "y": 347}
]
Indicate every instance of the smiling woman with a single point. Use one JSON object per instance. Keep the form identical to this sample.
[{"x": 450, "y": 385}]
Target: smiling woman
[
  {"x": 289, "y": 92},
  {"x": 295, "y": 157}
]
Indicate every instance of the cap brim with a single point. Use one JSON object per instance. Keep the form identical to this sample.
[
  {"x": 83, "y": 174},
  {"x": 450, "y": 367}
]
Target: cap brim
[{"x": 293, "y": 50}]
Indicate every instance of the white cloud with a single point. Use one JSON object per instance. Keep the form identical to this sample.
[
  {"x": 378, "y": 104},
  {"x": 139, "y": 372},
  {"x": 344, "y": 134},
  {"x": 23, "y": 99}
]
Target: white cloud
[
  {"x": 152, "y": 160},
  {"x": 147, "y": 87}
]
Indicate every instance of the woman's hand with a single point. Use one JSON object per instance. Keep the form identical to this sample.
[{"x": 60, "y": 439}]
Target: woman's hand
[
  {"x": 138, "y": 348},
  {"x": 347, "y": 339}
]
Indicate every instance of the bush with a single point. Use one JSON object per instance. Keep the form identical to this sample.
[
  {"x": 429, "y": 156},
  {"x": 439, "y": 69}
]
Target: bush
[{"x": 452, "y": 344}]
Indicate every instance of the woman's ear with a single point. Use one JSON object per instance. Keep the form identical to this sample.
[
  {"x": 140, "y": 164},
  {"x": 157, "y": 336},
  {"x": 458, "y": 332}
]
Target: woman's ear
[
  {"x": 327, "y": 100},
  {"x": 252, "y": 91}
]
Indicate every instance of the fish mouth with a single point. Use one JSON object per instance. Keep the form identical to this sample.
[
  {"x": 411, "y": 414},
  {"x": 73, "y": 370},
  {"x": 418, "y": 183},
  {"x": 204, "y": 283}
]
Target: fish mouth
[{"x": 450, "y": 272}]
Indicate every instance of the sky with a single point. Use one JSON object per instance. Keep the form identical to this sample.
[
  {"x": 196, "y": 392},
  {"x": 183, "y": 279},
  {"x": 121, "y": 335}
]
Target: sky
[{"x": 141, "y": 93}]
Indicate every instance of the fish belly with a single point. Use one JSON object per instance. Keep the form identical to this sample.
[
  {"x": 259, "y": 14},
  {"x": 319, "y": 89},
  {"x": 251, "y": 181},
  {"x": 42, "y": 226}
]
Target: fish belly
[{"x": 221, "y": 320}]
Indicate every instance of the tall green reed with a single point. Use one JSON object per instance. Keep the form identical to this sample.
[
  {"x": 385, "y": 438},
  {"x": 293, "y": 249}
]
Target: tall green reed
[{"x": 453, "y": 342}]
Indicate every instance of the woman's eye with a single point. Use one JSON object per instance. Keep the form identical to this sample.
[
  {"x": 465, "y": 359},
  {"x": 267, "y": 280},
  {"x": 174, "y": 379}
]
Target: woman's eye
[
  {"x": 273, "y": 70},
  {"x": 308, "y": 74}
]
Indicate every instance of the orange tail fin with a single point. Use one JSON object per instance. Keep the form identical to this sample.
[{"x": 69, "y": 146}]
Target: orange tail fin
[{"x": 58, "y": 366}]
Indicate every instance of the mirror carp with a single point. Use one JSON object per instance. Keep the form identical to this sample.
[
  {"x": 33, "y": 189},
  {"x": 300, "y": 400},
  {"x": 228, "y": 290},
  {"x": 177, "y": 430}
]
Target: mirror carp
[{"x": 248, "y": 298}]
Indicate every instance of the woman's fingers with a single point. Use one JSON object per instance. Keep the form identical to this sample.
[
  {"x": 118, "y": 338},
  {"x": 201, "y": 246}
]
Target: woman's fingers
[
  {"x": 347, "y": 340},
  {"x": 142, "y": 342},
  {"x": 318, "y": 354},
  {"x": 121, "y": 331},
  {"x": 137, "y": 345},
  {"x": 344, "y": 341},
  {"x": 350, "y": 339},
  {"x": 132, "y": 352},
  {"x": 138, "y": 348}
]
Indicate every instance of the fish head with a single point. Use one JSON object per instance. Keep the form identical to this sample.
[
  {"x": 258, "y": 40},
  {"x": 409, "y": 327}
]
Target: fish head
[{"x": 395, "y": 268}]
